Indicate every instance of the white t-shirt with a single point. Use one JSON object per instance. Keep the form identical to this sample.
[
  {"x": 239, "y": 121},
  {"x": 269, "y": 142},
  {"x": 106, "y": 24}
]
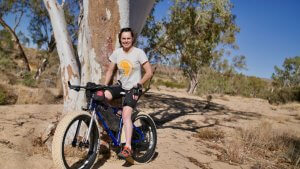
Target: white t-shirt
[{"x": 129, "y": 65}]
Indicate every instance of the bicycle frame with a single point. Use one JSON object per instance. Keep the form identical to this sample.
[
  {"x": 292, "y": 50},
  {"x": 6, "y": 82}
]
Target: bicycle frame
[{"x": 116, "y": 139}]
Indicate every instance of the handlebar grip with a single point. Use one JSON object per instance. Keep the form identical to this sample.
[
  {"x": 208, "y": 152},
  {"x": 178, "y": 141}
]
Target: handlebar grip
[{"x": 76, "y": 88}]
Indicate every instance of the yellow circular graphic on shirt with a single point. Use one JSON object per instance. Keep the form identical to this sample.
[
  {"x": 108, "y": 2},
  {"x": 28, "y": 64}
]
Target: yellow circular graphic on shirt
[{"x": 126, "y": 67}]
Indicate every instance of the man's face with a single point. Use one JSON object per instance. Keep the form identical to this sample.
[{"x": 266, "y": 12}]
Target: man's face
[{"x": 126, "y": 40}]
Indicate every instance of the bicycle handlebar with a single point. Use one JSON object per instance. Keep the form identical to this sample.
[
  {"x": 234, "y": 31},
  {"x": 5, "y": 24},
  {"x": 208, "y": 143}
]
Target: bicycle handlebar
[{"x": 94, "y": 87}]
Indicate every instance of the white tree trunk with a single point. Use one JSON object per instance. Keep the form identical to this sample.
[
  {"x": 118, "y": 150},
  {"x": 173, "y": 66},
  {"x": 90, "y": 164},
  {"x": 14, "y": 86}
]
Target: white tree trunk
[
  {"x": 194, "y": 80},
  {"x": 68, "y": 64},
  {"x": 192, "y": 86},
  {"x": 84, "y": 50},
  {"x": 100, "y": 22}
]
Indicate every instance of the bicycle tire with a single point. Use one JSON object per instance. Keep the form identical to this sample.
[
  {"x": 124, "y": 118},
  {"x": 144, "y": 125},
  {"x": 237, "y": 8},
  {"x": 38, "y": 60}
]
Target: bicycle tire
[
  {"x": 144, "y": 151},
  {"x": 62, "y": 152}
]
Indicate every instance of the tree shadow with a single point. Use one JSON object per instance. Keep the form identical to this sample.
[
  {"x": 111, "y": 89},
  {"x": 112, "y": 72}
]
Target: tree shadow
[{"x": 168, "y": 108}]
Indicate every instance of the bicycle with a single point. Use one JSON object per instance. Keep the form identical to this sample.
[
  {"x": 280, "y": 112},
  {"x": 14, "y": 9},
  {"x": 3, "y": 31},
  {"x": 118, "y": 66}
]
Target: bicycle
[{"x": 76, "y": 141}]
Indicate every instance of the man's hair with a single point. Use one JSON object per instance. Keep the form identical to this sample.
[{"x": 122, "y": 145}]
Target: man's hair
[{"x": 126, "y": 30}]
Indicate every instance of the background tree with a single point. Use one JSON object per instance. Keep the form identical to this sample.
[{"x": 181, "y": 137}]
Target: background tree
[
  {"x": 18, "y": 8},
  {"x": 151, "y": 36},
  {"x": 289, "y": 76},
  {"x": 196, "y": 32}
]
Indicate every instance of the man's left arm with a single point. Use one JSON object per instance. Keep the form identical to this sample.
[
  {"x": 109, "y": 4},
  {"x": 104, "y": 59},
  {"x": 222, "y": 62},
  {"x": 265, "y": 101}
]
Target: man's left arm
[{"x": 148, "y": 73}]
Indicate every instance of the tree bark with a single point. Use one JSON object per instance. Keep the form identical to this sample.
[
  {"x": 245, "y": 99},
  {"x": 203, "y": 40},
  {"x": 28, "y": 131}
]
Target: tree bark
[
  {"x": 192, "y": 83},
  {"x": 41, "y": 69},
  {"x": 192, "y": 86},
  {"x": 68, "y": 62},
  {"x": 17, "y": 41}
]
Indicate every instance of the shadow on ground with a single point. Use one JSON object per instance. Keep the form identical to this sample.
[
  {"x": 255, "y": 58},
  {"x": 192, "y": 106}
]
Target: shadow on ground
[{"x": 167, "y": 108}]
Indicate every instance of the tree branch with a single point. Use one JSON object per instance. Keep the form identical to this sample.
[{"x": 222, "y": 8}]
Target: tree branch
[
  {"x": 62, "y": 3},
  {"x": 80, "y": 16},
  {"x": 17, "y": 41},
  {"x": 17, "y": 20}
]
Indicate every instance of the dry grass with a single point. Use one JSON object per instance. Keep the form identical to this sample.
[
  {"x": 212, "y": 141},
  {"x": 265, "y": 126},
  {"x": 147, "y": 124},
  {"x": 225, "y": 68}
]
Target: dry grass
[
  {"x": 172, "y": 72},
  {"x": 281, "y": 119},
  {"x": 291, "y": 107},
  {"x": 262, "y": 146},
  {"x": 223, "y": 97},
  {"x": 294, "y": 108},
  {"x": 296, "y": 116},
  {"x": 231, "y": 119},
  {"x": 264, "y": 143},
  {"x": 232, "y": 153},
  {"x": 210, "y": 134}
]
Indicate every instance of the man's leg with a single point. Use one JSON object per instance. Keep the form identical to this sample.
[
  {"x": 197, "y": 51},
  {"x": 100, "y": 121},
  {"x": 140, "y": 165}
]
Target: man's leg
[
  {"x": 126, "y": 115},
  {"x": 128, "y": 105}
]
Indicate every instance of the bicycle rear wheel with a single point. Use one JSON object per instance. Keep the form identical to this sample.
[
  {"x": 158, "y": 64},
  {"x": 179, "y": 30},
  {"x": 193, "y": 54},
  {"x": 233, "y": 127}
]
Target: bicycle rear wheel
[
  {"x": 74, "y": 151},
  {"x": 144, "y": 147}
]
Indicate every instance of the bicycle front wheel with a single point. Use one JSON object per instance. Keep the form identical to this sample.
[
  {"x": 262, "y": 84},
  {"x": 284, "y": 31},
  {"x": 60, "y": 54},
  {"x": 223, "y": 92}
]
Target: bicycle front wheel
[{"x": 70, "y": 148}]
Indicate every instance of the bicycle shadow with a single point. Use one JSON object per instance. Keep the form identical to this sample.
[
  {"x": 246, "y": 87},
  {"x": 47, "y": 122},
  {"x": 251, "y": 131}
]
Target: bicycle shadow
[{"x": 169, "y": 109}]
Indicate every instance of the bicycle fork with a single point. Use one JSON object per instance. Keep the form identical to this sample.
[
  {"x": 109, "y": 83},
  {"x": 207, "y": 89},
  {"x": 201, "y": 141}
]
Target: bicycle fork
[
  {"x": 90, "y": 125},
  {"x": 86, "y": 137}
]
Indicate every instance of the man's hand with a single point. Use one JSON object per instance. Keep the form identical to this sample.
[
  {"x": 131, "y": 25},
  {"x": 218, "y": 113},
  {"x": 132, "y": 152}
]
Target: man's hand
[{"x": 137, "y": 91}]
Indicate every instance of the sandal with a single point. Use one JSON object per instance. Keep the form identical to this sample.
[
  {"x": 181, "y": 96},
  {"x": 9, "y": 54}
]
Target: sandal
[{"x": 125, "y": 153}]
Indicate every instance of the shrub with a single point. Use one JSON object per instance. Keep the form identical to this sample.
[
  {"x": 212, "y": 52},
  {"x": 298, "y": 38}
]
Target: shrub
[
  {"x": 7, "y": 97},
  {"x": 285, "y": 95},
  {"x": 170, "y": 84},
  {"x": 28, "y": 79},
  {"x": 2, "y": 97},
  {"x": 6, "y": 62},
  {"x": 232, "y": 84}
]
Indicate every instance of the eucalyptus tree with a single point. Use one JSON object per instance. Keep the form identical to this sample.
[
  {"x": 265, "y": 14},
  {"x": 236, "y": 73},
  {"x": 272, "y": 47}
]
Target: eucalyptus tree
[
  {"x": 151, "y": 36},
  {"x": 99, "y": 22},
  {"x": 195, "y": 32},
  {"x": 18, "y": 9},
  {"x": 289, "y": 75}
]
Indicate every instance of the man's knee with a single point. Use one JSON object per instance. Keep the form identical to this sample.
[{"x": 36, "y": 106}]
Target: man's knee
[{"x": 108, "y": 95}]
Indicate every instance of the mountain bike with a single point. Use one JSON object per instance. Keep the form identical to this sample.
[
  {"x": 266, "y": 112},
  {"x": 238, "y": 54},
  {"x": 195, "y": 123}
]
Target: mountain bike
[{"x": 76, "y": 141}]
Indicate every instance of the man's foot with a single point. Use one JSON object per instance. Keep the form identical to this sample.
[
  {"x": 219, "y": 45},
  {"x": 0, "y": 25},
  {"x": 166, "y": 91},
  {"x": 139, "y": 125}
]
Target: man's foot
[{"x": 125, "y": 153}]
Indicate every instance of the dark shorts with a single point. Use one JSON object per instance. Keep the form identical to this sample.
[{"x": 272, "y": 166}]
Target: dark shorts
[{"x": 117, "y": 92}]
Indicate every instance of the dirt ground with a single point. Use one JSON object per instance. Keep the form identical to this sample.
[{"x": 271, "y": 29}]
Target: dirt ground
[{"x": 178, "y": 116}]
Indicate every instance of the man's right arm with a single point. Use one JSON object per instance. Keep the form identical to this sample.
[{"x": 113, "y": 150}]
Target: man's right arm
[{"x": 109, "y": 73}]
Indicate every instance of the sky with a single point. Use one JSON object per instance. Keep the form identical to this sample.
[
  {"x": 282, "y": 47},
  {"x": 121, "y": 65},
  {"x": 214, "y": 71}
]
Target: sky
[{"x": 269, "y": 32}]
